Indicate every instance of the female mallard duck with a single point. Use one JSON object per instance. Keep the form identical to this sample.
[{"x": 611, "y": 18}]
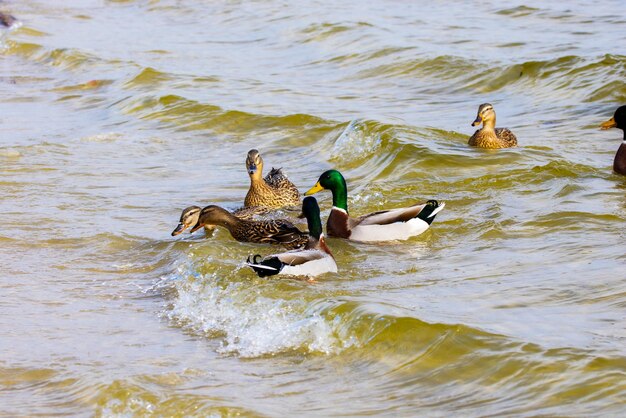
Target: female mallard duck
[
  {"x": 189, "y": 217},
  {"x": 273, "y": 191},
  {"x": 275, "y": 231},
  {"x": 313, "y": 260},
  {"x": 618, "y": 121},
  {"x": 489, "y": 136},
  {"x": 386, "y": 225}
]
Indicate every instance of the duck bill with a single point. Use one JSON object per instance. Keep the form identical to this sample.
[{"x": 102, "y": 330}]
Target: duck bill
[
  {"x": 180, "y": 228},
  {"x": 252, "y": 169},
  {"x": 477, "y": 121},
  {"x": 318, "y": 187},
  {"x": 608, "y": 124}
]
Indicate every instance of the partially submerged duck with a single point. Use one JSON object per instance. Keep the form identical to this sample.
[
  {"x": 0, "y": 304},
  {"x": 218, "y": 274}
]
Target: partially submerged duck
[
  {"x": 489, "y": 136},
  {"x": 273, "y": 191},
  {"x": 618, "y": 121},
  {"x": 189, "y": 217},
  {"x": 7, "y": 20},
  {"x": 386, "y": 225},
  {"x": 313, "y": 260},
  {"x": 275, "y": 231}
]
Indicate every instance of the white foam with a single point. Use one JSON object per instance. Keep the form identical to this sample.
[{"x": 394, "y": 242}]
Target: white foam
[
  {"x": 249, "y": 323},
  {"x": 355, "y": 142}
]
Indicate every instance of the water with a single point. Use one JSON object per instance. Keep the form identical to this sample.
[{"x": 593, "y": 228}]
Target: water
[{"x": 117, "y": 114}]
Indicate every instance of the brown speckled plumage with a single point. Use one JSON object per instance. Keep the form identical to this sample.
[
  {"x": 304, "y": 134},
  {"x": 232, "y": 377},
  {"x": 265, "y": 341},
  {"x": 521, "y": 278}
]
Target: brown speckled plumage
[
  {"x": 277, "y": 231},
  {"x": 489, "y": 136},
  {"x": 273, "y": 191},
  {"x": 190, "y": 215}
]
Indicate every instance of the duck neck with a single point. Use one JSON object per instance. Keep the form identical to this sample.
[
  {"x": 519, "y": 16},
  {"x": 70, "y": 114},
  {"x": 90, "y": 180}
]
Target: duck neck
[
  {"x": 340, "y": 195},
  {"x": 489, "y": 124},
  {"x": 225, "y": 219},
  {"x": 257, "y": 176},
  {"x": 315, "y": 226}
]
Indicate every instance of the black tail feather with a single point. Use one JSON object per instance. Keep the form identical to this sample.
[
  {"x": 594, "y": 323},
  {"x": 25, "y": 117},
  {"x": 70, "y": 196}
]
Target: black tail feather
[
  {"x": 272, "y": 265},
  {"x": 430, "y": 207}
]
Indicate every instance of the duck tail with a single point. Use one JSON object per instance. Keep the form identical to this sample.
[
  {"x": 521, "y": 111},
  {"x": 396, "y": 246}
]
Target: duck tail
[
  {"x": 265, "y": 267},
  {"x": 431, "y": 209}
]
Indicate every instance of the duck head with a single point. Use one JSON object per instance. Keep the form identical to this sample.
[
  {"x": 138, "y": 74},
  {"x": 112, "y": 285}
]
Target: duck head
[
  {"x": 188, "y": 217},
  {"x": 332, "y": 180},
  {"x": 617, "y": 121},
  {"x": 211, "y": 215},
  {"x": 311, "y": 211},
  {"x": 485, "y": 115},
  {"x": 254, "y": 163}
]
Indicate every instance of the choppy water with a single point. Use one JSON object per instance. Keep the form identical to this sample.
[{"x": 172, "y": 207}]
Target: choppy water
[{"x": 115, "y": 115}]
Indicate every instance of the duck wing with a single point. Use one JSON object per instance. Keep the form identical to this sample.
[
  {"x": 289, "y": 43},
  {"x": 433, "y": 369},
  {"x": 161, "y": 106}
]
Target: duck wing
[
  {"x": 276, "y": 178},
  {"x": 281, "y": 232},
  {"x": 274, "y": 264},
  {"x": 386, "y": 217},
  {"x": 507, "y": 136},
  {"x": 250, "y": 212}
]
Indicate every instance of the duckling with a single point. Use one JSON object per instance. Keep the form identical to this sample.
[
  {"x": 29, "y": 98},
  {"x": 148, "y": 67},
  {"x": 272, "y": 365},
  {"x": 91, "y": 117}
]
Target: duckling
[
  {"x": 618, "y": 121},
  {"x": 489, "y": 136},
  {"x": 313, "y": 260},
  {"x": 189, "y": 217},
  {"x": 275, "y": 191},
  {"x": 275, "y": 231},
  {"x": 386, "y": 225}
]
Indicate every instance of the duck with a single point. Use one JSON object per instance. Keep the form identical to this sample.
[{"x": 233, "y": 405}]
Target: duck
[
  {"x": 489, "y": 136},
  {"x": 618, "y": 121},
  {"x": 385, "y": 225},
  {"x": 7, "y": 20},
  {"x": 189, "y": 217},
  {"x": 275, "y": 231},
  {"x": 311, "y": 261},
  {"x": 273, "y": 191}
]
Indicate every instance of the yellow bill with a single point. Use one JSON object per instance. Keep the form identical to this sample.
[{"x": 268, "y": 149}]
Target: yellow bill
[
  {"x": 318, "y": 187},
  {"x": 608, "y": 124}
]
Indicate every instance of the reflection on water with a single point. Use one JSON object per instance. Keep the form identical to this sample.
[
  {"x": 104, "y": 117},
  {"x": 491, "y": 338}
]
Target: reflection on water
[{"x": 117, "y": 115}]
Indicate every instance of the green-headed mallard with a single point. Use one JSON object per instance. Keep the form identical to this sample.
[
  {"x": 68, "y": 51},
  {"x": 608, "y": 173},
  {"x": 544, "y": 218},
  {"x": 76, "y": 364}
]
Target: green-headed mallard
[
  {"x": 386, "y": 225},
  {"x": 618, "y": 121},
  {"x": 489, "y": 136},
  {"x": 313, "y": 260},
  {"x": 276, "y": 231},
  {"x": 189, "y": 217},
  {"x": 273, "y": 191}
]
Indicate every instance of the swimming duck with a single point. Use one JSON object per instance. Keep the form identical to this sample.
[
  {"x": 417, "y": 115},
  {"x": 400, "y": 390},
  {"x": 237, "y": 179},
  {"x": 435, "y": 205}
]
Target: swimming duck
[
  {"x": 313, "y": 260},
  {"x": 489, "y": 136},
  {"x": 189, "y": 217},
  {"x": 275, "y": 231},
  {"x": 386, "y": 225},
  {"x": 273, "y": 191},
  {"x": 7, "y": 20},
  {"x": 618, "y": 121}
]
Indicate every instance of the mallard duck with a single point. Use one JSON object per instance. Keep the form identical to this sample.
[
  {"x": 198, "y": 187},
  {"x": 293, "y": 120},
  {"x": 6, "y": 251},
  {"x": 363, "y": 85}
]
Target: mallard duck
[
  {"x": 489, "y": 136},
  {"x": 386, "y": 225},
  {"x": 313, "y": 260},
  {"x": 189, "y": 217},
  {"x": 273, "y": 191},
  {"x": 275, "y": 231},
  {"x": 7, "y": 20},
  {"x": 618, "y": 121}
]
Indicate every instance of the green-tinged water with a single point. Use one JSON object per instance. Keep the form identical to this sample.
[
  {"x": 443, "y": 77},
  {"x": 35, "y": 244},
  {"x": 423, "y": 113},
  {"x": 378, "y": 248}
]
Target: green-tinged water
[{"x": 115, "y": 115}]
